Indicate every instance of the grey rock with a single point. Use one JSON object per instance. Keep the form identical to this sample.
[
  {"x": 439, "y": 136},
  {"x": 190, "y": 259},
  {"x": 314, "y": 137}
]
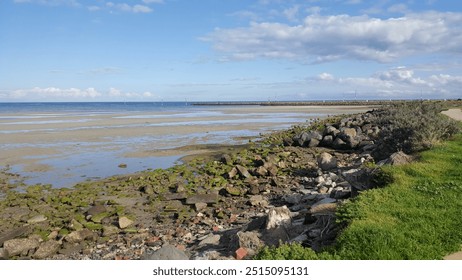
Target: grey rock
[
  {"x": 327, "y": 141},
  {"x": 279, "y": 216},
  {"x": 12, "y": 234},
  {"x": 261, "y": 171},
  {"x": 339, "y": 144},
  {"x": 167, "y": 252},
  {"x": 243, "y": 171},
  {"x": 37, "y": 219},
  {"x": 210, "y": 198},
  {"x": 47, "y": 249},
  {"x": 226, "y": 159},
  {"x": 332, "y": 131},
  {"x": 200, "y": 206},
  {"x": 175, "y": 196},
  {"x": 398, "y": 158},
  {"x": 326, "y": 161},
  {"x": 16, "y": 247},
  {"x": 211, "y": 239},
  {"x": 232, "y": 173},
  {"x": 249, "y": 240},
  {"x": 293, "y": 199},
  {"x": 313, "y": 143}
]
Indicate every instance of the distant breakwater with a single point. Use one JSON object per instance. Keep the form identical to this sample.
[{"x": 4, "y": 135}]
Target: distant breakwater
[{"x": 297, "y": 103}]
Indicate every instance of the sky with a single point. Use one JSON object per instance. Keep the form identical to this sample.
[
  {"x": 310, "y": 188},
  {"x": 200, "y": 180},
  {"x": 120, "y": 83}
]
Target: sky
[{"x": 229, "y": 50}]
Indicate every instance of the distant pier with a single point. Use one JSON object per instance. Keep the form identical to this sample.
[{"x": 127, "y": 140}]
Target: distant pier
[{"x": 295, "y": 103}]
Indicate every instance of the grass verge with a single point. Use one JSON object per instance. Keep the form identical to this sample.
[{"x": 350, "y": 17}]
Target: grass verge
[{"x": 417, "y": 216}]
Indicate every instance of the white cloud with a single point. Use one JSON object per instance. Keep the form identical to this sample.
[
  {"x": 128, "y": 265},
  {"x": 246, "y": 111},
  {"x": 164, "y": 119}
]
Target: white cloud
[
  {"x": 326, "y": 38},
  {"x": 124, "y": 7},
  {"x": 397, "y": 83},
  {"x": 73, "y": 3},
  {"x": 114, "y": 93},
  {"x": 73, "y": 94},
  {"x": 153, "y": 1},
  {"x": 53, "y": 93}
]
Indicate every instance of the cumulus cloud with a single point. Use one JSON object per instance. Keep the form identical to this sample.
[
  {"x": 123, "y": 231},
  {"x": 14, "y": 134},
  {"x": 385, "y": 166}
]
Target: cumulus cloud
[
  {"x": 73, "y": 94},
  {"x": 119, "y": 94},
  {"x": 323, "y": 38},
  {"x": 124, "y": 7},
  {"x": 53, "y": 93},
  {"x": 74, "y": 3},
  {"x": 397, "y": 83}
]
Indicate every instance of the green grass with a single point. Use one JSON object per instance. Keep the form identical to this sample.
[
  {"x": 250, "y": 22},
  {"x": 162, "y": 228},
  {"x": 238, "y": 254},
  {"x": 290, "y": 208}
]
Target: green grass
[{"x": 417, "y": 216}]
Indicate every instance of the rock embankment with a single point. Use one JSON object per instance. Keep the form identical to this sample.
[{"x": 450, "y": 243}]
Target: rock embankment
[{"x": 230, "y": 208}]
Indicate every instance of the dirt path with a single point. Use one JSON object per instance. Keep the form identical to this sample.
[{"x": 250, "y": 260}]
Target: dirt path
[
  {"x": 454, "y": 113},
  {"x": 457, "y": 115}
]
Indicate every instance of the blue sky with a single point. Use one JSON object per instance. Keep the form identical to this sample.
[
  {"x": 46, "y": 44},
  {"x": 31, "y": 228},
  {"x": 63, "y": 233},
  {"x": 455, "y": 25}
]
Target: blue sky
[{"x": 176, "y": 50}]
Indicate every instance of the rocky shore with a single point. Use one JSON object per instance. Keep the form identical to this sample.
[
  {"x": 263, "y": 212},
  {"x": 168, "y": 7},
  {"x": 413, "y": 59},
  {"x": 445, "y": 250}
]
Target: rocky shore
[{"x": 285, "y": 188}]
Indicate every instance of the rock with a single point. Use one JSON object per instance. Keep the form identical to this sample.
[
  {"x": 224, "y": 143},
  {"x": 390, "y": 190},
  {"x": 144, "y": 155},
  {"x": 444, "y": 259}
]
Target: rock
[
  {"x": 37, "y": 219},
  {"x": 347, "y": 133},
  {"x": 16, "y": 247},
  {"x": 340, "y": 193},
  {"x": 293, "y": 199},
  {"x": 327, "y": 141},
  {"x": 326, "y": 161},
  {"x": 211, "y": 239},
  {"x": 110, "y": 230},
  {"x": 241, "y": 253},
  {"x": 24, "y": 230},
  {"x": 97, "y": 209},
  {"x": 4, "y": 254},
  {"x": 305, "y": 138},
  {"x": 243, "y": 171},
  {"x": 261, "y": 171},
  {"x": 232, "y": 173},
  {"x": 332, "y": 131},
  {"x": 122, "y": 165},
  {"x": 313, "y": 143},
  {"x": 47, "y": 249},
  {"x": 359, "y": 179},
  {"x": 258, "y": 200},
  {"x": 250, "y": 240},
  {"x": 339, "y": 144},
  {"x": 398, "y": 158},
  {"x": 167, "y": 252},
  {"x": 124, "y": 222},
  {"x": 279, "y": 216},
  {"x": 200, "y": 206},
  {"x": 210, "y": 198},
  {"x": 79, "y": 236},
  {"x": 175, "y": 196}
]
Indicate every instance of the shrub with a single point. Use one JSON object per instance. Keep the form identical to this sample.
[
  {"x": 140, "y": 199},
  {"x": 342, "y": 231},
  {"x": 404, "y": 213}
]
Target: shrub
[{"x": 412, "y": 127}]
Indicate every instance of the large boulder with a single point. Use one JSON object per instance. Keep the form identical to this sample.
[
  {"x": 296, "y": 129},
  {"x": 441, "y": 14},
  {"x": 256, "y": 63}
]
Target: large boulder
[
  {"x": 16, "y": 247},
  {"x": 326, "y": 161},
  {"x": 398, "y": 158},
  {"x": 47, "y": 249}
]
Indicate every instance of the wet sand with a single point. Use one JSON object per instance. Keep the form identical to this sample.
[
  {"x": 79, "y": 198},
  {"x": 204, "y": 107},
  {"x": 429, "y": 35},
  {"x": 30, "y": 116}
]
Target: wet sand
[{"x": 50, "y": 146}]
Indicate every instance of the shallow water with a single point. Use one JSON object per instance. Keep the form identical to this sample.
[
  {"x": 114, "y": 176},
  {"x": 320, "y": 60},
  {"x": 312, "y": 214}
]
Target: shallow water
[{"x": 64, "y": 143}]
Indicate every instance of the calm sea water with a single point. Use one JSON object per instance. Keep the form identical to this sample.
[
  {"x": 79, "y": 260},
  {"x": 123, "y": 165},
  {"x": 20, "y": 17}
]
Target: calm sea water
[{"x": 75, "y": 160}]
